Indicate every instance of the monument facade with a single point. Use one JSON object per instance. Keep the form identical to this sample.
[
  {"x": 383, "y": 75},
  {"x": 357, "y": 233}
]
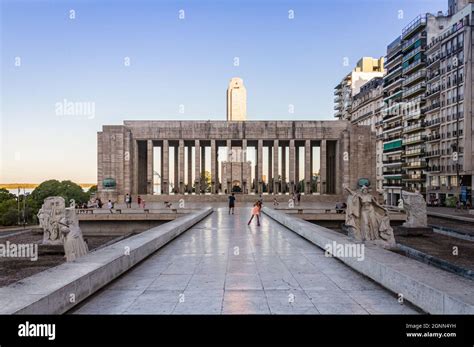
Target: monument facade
[{"x": 188, "y": 157}]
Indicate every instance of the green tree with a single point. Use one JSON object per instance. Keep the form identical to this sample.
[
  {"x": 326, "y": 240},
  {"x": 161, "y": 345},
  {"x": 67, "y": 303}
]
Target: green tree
[
  {"x": 67, "y": 189},
  {"x": 8, "y": 212},
  {"x": 92, "y": 190},
  {"x": 6, "y": 195}
]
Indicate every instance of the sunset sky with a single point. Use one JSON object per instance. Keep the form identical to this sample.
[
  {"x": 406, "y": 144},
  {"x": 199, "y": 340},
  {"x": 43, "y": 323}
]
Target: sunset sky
[{"x": 131, "y": 60}]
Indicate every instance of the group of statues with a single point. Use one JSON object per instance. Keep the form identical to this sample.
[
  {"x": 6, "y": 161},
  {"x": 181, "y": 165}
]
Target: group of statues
[
  {"x": 367, "y": 220},
  {"x": 61, "y": 227}
]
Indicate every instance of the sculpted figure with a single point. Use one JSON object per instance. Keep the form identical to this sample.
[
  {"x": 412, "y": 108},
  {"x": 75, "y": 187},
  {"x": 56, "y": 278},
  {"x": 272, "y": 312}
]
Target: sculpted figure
[
  {"x": 367, "y": 219},
  {"x": 49, "y": 216},
  {"x": 74, "y": 244},
  {"x": 415, "y": 207}
]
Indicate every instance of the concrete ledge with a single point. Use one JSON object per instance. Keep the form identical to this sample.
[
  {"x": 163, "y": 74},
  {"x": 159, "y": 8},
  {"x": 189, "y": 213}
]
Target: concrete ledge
[
  {"x": 449, "y": 216},
  {"x": 58, "y": 289},
  {"x": 431, "y": 289}
]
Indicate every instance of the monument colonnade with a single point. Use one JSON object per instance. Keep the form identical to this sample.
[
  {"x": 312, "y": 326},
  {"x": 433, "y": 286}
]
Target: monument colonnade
[{"x": 126, "y": 156}]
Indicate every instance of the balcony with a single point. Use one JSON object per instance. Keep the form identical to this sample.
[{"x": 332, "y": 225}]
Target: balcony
[
  {"x": 415, "y": 152},
  {"x": 413, "y": 127},
  {"x": 387, "y": 160},
  {"x": 433, "y": 137},
  {"x": 418, "y": 40},
  {"x": 413, "y": 26},
  {"x": 433, "y": 154},
  {"x": 432, "y": 122},
  {"x": 413, "y": 140},
  {"x": 414, "y": 165},
  {"x": 415, "y": 77},
  {"x": 391, "y": 171},
  {"x": 433, "y": 106},
  {"x": 433, "y": 168},
  {"x": 394, "y": 125},
  {"x": 413, "y": 66},
  {"x": 413, "y": 177}
]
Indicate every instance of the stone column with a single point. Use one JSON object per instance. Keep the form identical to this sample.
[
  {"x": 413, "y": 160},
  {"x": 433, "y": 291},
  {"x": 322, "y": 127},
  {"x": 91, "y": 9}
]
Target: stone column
[
  {"x": 338, "y": 168},
  {"x": 181, "y": 166},
  {"x": 297, "y": 168},
  {"x": 127, "y": 184},
  {"x": 307, "y": 167},
  {"x": 227, "y": 181},
  {"x": 135, "y": 167},
  {"x": 245, "y": 174},
  {"x": 270, "y": 173},
  {"x": 190, "y": 170},
  {"x": 197, "y": 167},
  {"x": 176, "y": 170},
  {"x": 276, "y": 181},
  {"x": 214, "y": 178},
  {"x": 291, "y": 166},
  {"x": 259, "y": 166},
  {"x": 345, "y": 163},
  {"x": 283, "y": 170},
  {"x": 165, "y": 166},
  {"x": 149, "y": 167},
  {"x": 322, "y": 168}
]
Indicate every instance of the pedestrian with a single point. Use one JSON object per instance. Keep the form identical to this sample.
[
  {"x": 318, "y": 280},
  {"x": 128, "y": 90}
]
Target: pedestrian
[
  {"x": 458, "y": 205},
  {"x": 143, "y": 203},
  {"x": 275, "y": 202},
  {"x": 110, "y": 206},
  {"x": 139, "y": 201},
  {"x": 231, "y": 203},
  {"x": 255, "y": 213},
  {"x": 298, "y": 196},
  {"x": 128, "y": 201}
]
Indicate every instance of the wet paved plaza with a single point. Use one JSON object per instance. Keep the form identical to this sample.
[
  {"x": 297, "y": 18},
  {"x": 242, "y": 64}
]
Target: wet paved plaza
[{"x": 223, "y": 266}]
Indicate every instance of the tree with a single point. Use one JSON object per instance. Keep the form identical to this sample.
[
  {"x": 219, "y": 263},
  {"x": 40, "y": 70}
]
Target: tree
[
  {"x": 8, "y": 212},
  {"x": 6, "y": 195},
  {"x": 92, "y": 190},
  {"x": 67, "y": 189}
]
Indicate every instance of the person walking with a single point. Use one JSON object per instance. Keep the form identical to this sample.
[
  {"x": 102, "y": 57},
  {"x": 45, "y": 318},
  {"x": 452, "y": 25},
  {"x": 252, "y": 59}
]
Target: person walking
[
  {"x": 110, "y": 205},
  {"x": 298, "y": 197},
  {"x": 139, "y": 201},
  {"x": 128, "y": 201},
  {"x": 231, "y": 203},
  {"x": 255, "y": 213}
]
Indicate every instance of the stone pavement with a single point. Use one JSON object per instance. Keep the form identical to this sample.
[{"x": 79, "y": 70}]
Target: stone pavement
[{"x": 222, "y": 266}]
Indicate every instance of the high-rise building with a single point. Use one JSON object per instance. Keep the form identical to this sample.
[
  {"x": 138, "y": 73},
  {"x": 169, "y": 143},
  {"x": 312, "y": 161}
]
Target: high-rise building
[
  {"x": 392, "y": 123},
  {"x": 449, "y": 118},
  {"x": 366, "y": 110},
  {"x": 366, "y": 69},
  {"x": 415, "y": 37},
  {"x": 236, "y": 100}
]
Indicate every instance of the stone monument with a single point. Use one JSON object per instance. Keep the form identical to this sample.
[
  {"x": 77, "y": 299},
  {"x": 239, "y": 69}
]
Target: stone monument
[
  {"x": 49, "y": 215},
  {"x": 367, "y": 220},
  {"x": 414, "y": 206},
  {"x": 61, "y": 232},
  {"x": 74, "y": 244}
]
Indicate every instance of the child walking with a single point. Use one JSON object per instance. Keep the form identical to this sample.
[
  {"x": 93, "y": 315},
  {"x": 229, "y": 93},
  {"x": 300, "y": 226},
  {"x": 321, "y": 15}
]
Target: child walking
[{"x": 255, "y": 213}]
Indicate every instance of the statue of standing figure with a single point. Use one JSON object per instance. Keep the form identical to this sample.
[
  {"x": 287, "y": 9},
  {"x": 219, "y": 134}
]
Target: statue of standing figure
[
  {"x": 74, "y": 244},
  {"x": 367, "y": 219}
]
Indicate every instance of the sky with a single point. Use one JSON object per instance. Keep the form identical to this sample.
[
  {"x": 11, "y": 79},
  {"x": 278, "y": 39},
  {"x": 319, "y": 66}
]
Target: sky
[{"x": 69, "y": 67}]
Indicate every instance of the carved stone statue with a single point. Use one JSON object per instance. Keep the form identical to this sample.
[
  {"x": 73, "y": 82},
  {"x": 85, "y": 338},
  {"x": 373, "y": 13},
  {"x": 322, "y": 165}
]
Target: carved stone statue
[
  {"x": 415, "y": 207},
  {"x": 367, "y": 219},
  {"x": 61, "y": 227},
  {"x": 74, "y": 244},
  {"x": 49, "y": 216},
  {"x": 400, "y": 204}
]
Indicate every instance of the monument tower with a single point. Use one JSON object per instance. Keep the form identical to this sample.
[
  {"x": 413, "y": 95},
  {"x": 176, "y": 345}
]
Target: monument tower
[{"x": 236, "y": 100}]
